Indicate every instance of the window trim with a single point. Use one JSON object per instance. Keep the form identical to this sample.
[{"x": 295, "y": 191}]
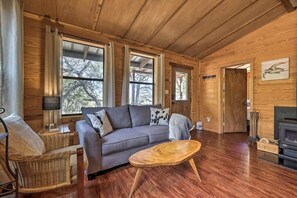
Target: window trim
[
  {"x": 144, "y": 83},
  {"x": 86, "y": 43}
]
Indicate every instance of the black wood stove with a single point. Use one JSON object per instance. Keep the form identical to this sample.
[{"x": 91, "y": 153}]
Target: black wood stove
[
  {"x": 285, "y": 131},
  {"x": 288, "y": 143}
]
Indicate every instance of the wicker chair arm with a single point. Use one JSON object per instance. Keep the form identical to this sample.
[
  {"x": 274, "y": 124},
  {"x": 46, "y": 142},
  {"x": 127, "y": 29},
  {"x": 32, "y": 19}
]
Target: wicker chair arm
[
  {"x": 16, "y": 157},
  {"x": 56, "y": 141}
]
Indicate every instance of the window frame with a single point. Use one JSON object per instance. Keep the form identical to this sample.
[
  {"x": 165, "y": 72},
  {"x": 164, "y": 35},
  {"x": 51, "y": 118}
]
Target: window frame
[
  {"x": 85, "y": 43},
  {"x": 144, "y": 83}
]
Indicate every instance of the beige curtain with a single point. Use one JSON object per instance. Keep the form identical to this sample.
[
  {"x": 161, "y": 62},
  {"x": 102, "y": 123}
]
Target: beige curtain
[
  {"x": 109, "y": 76},
  {"x": 126, "y": 76},
  {"x": 11, "y": 56},
  {"x": 159, "y": 95},
  {"x": 52, "y": 72}
]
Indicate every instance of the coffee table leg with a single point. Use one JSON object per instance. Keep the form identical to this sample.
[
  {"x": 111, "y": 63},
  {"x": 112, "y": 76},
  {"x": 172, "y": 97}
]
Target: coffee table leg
[
  {"x": 136, "y": 180},
  {"x": 192, "y": 163}
]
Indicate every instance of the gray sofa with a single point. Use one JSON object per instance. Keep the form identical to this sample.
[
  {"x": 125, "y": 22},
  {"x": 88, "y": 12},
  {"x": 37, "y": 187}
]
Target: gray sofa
[{"x": 132, "y": 133}]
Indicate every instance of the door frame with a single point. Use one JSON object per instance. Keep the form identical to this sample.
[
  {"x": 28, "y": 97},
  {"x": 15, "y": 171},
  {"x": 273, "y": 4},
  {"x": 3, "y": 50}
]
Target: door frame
[
  {"x": 191, "y": 69},
  {"x": 221, "y": 82}
]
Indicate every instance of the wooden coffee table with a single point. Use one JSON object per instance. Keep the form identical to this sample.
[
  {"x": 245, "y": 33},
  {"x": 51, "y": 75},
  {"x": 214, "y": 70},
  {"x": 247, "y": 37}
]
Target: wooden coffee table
[{"x": 165, "y": 154}]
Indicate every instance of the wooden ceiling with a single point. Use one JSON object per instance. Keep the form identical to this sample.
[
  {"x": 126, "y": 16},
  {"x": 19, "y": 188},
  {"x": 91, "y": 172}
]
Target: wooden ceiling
[{"x": 195, "y": 28}]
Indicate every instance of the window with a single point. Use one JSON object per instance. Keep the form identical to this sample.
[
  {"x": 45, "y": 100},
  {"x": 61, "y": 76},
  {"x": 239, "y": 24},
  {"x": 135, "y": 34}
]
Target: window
[
  {"x": 141, "y": 80},
  {"x": 181, "y": 85},
  {"x": 82, "y": 67}
]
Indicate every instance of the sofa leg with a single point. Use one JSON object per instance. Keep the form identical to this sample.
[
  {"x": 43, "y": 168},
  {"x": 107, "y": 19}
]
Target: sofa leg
[{"x": 92, "y": 176}]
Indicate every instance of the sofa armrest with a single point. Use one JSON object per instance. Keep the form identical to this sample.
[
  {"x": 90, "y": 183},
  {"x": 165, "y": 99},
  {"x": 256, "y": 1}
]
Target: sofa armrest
[{"x": 92, "y": 144}]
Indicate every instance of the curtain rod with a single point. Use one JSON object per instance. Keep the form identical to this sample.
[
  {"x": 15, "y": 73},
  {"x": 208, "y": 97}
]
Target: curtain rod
[
  {"x": 143, "y": 52},
  {"x": 78, "y": 38},
  {"x": 62, "y": 24}
]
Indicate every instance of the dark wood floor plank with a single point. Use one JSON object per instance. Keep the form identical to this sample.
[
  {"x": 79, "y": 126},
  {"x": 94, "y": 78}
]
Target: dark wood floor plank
[{"x": 228, "y": 167}]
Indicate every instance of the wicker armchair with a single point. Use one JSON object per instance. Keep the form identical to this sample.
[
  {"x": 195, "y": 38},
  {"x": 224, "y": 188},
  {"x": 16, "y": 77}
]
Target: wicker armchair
[{"x": 61, "y": 165}]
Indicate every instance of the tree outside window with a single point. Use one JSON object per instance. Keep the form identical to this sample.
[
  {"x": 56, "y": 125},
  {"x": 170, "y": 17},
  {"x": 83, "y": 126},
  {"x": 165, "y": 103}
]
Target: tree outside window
[
  {"x": 141, "y": 80},
  {"x": 82, "y": 69}
]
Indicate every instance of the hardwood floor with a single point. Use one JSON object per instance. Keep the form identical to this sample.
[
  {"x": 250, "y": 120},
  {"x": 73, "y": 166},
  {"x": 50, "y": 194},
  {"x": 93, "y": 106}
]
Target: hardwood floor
[{"x": 228, "y": 167}]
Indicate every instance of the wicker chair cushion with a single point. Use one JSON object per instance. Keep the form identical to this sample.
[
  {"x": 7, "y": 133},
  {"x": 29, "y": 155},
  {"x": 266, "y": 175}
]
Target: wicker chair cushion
[{"x": 22, "y": 139}]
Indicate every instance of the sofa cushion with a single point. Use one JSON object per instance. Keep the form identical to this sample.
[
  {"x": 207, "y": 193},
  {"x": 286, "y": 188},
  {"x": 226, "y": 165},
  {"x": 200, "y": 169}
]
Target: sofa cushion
[
  {"x": 119, "y": 117},
  {"x": 123, "y": 139},
  {"x": 141, "y": 115},
  {"x": 158, "y": 133}
]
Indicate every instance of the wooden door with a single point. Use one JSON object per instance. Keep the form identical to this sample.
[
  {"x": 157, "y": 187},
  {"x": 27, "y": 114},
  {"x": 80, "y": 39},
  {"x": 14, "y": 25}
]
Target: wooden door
[
  {"x": 234, "y": 100},
  {"x": 181, "y": 95}
]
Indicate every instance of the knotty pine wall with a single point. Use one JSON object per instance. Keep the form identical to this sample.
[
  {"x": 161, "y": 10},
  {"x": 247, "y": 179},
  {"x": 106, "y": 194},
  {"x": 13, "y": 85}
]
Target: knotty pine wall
[
  {"x": 34, "y": 42},
  {"x": 275, "y": 40}
]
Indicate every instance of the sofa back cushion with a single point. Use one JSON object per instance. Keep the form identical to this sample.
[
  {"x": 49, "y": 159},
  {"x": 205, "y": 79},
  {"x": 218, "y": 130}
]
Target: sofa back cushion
[
  {"x": 22, "y": 139},
  {"x": 141, "y": 115},
  {"x": 119, "y": 117}
]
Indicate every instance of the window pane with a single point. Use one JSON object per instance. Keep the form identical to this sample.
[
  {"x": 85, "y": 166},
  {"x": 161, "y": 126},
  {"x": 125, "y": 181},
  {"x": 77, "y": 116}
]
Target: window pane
[
  {"x": 141, "y": 94},
  {"x": 181, "y": 86},
  {"x": 141, "y": 69},
  {"x": 82, "y": 61},
  {"x": 75, "y": 67},
  {"x": 81, "y": 93}
]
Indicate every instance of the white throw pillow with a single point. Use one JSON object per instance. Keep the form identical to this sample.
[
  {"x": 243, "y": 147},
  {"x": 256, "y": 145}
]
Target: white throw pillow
[
  {"x": 100, "y": 122},
  {"x": 159, "y": 116},
  {"x": 22, "y": 138}
]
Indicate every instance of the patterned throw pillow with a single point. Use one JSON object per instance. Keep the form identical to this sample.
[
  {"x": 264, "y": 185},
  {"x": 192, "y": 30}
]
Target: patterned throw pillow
[
  {"x": 159, "y": 116},
  {"x": 100, "y": 122}
]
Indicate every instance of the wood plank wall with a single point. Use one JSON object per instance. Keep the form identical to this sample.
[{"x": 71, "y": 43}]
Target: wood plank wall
[
  {"x": 34, "y": 36},
  {"x": 277, "y": 39}
]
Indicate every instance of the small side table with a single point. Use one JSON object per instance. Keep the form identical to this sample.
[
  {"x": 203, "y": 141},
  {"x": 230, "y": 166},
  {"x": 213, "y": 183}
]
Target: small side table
[{"x": 63, "y": 130}]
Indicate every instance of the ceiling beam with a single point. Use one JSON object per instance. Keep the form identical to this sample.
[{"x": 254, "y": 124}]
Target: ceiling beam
[
  {"x": 86, "y": 52},
  {"x": 220, "y": 25},
  {"x": 188, "y": 29},
  {"x": 156, "y": 31},
  {"x": 99, "y": 5},
  {"x": 144, "y": 62},
  {"x": 289, "y": 5},
  {"x": 137, "y": 64},
  {"x": 102, "y": 38},
  {"x": 140, "y": 9},
  {"x": 258, "y": 22},
  {"x": 80, "y": 55}
]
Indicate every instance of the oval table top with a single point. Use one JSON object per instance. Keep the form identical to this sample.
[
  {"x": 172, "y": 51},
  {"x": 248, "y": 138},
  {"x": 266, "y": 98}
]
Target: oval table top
[{"x": 169, "y": 153}]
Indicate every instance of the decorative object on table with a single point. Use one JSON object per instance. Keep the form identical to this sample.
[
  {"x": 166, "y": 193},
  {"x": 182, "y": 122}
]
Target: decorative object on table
[
  {"x": 267, "y": 146},
  {"x": 64, "y": 128},
  {"x": 165, "y": 154},
  {"x": 254, "y": 117},
  {"x": 51, "y": 104},
  {"x": 275, "y": 69},
  {"x": 8, "y": 188}
]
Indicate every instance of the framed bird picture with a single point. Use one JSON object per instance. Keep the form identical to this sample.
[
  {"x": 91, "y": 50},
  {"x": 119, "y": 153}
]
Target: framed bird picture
[{"x": 275, "y": 69}]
